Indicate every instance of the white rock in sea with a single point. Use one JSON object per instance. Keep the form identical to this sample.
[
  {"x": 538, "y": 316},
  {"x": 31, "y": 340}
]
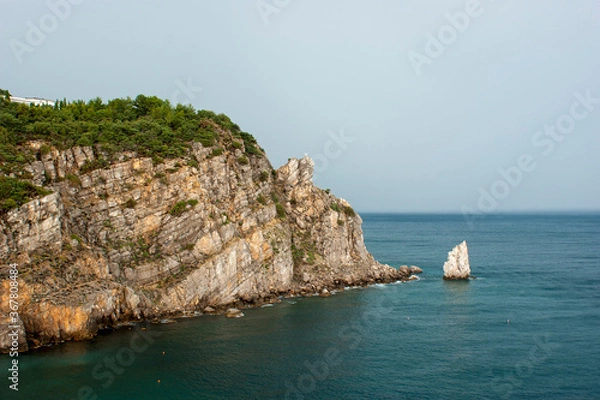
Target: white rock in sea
[{"x": 457, "y": 266}]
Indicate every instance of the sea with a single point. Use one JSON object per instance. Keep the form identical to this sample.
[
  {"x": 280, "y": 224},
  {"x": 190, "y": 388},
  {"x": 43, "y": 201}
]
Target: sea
[{"x": 527, "y": 328}]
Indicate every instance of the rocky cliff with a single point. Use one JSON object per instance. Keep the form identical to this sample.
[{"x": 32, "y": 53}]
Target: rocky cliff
[{"x": 141, "y": 238}]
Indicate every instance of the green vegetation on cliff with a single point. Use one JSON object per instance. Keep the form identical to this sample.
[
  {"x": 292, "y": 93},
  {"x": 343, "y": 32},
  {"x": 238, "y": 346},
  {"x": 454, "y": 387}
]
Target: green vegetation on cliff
[
  {"x": 145, "y": 125},
  {"x": 15, "y": 192}
]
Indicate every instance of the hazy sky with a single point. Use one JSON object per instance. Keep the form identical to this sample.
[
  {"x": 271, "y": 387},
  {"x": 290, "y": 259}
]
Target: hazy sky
[{"x": 405, "y": 105}]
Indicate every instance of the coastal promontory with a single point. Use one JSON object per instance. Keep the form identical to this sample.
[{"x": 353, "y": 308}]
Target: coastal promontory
[{"x": 136, "y": 209}]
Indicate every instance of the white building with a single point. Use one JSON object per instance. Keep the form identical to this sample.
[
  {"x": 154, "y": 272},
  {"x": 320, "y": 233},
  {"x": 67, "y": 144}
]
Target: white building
[{"x": 32, "y": 100}]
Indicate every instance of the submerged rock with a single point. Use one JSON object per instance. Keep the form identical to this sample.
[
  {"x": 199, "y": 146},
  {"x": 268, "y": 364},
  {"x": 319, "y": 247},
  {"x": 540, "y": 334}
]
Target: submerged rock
[
  {"x": 234, "y": 313},
  {"x": 457, "y": 266}
]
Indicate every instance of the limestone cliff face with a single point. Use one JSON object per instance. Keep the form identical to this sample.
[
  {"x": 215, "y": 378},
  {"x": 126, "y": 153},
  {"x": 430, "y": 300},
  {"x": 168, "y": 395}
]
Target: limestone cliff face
[
  {"x": 140, "y": 239},
  {"x": 327, "y": 238}
]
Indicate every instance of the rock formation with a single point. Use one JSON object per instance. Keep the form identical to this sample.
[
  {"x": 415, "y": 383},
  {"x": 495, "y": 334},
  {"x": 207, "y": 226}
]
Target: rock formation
[
  {"x": 457, "y": 266},
  {"x": 415, "y": 270},
  {"x": 142, "y": 238}
]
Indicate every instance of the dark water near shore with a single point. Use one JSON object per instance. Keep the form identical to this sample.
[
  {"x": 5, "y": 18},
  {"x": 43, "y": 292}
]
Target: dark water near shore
[{"x": 425, "y": 340}]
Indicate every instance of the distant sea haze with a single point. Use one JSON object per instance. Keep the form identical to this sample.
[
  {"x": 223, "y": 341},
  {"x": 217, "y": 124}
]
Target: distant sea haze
[{"x": 526, "y": 328}]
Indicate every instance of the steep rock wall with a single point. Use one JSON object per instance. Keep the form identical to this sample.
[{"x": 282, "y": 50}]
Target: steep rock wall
[{"x": 143, "y": 238}]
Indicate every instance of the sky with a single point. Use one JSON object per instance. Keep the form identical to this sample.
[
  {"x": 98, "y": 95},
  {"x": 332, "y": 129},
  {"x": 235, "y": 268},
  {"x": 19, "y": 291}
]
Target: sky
[{"x": 405, "y": 106}]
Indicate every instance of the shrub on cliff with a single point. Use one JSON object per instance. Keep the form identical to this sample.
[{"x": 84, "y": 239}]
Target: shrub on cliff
[
  {"x": 349, "y": 211},
  {"x": 14, "y": 193},
  {"x": 181, "y": 206},
  {"x": 280, "y": 211}
]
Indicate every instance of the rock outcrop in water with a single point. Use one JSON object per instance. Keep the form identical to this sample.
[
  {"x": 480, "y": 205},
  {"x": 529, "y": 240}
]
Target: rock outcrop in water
[
  {"x": 457, "y": 266},
  {"x": 145, "y": 239},
  {"x": 415, "y": 270}
]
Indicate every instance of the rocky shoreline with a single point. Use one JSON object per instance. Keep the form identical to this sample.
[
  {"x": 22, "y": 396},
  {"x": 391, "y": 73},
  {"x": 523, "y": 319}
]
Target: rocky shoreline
[
  {"x": 392, "y": 275},
  {"x": 381, "y": 274}
]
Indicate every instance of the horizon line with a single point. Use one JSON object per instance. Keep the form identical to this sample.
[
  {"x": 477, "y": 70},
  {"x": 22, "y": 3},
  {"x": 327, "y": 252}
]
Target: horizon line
[{"x": 510, "y": 212}]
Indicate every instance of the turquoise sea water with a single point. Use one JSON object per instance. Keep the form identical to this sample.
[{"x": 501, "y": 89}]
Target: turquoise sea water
[{"x": 429, "y": 339}]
